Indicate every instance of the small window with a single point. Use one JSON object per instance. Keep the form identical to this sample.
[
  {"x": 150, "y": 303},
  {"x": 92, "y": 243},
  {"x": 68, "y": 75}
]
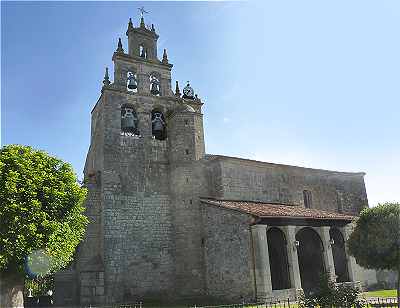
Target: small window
[
  {"x": 340, "y": 202},
  {"x": 186, "y": 122},
  {"x": 187, "y": 152},
  {"x": 307, "y": 199}
]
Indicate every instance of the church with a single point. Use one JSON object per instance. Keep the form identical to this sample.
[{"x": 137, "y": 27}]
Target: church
[{"x": 169, "y": 222}]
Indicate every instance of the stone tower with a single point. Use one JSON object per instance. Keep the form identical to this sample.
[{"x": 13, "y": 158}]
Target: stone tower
[{"x": 143, "y": 202}]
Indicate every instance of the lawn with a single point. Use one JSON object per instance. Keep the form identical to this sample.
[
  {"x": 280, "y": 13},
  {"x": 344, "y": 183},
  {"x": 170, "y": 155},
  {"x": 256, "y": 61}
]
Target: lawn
[{"x": 381, "y": 293}]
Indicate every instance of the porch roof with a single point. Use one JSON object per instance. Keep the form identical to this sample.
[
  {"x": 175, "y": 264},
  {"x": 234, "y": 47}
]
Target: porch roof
[{"x": 277, "y": 210}]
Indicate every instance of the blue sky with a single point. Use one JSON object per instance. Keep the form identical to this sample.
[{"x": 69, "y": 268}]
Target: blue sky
[{"x": 308, "y": 83}]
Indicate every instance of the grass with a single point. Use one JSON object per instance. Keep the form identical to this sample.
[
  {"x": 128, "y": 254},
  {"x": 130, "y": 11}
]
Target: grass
[
  {"x": 294, "y": 305},
  {"x": 381, "y": 293}
]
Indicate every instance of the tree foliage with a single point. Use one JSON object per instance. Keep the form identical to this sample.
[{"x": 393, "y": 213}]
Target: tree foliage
[
  {"x": 41, "y": 211},
  {"x": 375, "y": 241}
]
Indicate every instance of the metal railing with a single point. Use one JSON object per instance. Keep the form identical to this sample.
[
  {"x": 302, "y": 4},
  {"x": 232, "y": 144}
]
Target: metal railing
[
  {"x": 261, "y": 304},
  {"x": 382, "y": 302},
  {"x": 128, "y": 305},
  {"x": 367, "y": 303}
]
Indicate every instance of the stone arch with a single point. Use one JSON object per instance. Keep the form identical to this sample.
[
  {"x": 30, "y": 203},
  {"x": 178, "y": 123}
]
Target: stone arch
[
  {"x": 158, "y": 124},
  {"x": 278, "y": 259},
  {"x": 339, "y": 255},
  {"x": 310, "y": 253}
]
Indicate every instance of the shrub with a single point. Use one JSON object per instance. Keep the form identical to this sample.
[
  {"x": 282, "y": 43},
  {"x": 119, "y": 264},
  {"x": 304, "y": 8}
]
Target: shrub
[{"x": 329, "y": 294}]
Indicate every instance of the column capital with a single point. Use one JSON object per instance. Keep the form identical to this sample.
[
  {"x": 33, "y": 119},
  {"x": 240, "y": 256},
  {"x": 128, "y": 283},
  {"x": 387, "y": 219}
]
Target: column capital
[{"x": 259, "y": 227}]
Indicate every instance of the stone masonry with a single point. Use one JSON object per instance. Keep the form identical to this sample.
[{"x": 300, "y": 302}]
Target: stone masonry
[{"x": 152, "y": 236}]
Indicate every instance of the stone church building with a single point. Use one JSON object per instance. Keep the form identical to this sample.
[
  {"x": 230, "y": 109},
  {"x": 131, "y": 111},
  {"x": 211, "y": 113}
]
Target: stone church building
[{"x": 169, "y": 222}]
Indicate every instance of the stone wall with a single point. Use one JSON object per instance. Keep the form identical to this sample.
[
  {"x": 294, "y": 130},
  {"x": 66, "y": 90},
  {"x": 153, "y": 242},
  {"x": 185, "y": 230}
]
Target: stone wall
[
  {"x": 186, "y": 147},
  {"x": 228, "y": 255},
  {"x": 243, "y": 179},
  {"x": 138, "y": 248}
]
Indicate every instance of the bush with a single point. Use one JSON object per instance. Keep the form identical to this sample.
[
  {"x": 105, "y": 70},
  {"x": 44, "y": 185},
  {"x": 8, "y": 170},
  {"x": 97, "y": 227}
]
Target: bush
[
  {"x": 329, "y": 294},
  {"x": 39, "y": 285}
]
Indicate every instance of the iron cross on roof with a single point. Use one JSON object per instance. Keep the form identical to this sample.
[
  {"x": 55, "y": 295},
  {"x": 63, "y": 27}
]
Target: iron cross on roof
[{"x": 142, "y": 11}]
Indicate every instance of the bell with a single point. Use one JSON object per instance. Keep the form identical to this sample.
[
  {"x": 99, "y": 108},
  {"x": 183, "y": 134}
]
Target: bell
[
  {"x": 158, "y": 126},
  {"x": 131, "y": 83},
  {"x": 154, "y": 89},
  {"x": 128, "y": 124}
]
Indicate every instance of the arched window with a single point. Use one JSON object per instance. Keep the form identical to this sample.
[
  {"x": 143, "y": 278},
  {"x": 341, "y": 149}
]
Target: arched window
[
  {"x": 131, "y": 82},
  {"x": 154, "y": 84},
  {"x": 143, "y": 51},
  {"x": 278, "y": 259},
  {"x": 129, "y": 121},
  {"x": 158, "y": 125}
]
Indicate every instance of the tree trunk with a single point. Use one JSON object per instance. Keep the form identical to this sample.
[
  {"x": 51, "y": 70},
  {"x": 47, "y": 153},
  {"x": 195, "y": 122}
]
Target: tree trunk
[{"x": 11, "y": 290}]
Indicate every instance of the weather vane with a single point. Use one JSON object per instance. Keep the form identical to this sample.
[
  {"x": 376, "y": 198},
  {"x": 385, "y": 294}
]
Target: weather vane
[{"x": 142, "y": 11}]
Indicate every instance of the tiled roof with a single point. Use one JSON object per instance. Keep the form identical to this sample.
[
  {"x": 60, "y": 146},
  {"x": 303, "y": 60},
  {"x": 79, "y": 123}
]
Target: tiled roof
[{"x": 272, "y": 210}]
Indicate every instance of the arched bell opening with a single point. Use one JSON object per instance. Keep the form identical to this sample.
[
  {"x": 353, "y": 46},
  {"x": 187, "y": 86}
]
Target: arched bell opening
[
  {"x": 129, "y": 120},
  {"x": 310, "y": 254},
  {"x": 158, "y": 125},
  {"x": 339, "y": 255},
  {"x": 278, "y": 259},
  {"x": 132, "y": 83},
  {"x": 155, "y": 84},
  {"x": 143, "y": 51}
]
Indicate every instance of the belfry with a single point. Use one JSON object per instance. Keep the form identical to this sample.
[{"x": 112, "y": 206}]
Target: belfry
[{"x": 169, "y": 222}]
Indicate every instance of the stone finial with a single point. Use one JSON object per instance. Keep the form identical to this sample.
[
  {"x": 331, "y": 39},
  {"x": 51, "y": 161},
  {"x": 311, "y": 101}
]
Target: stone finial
[
  {"x": 165, "y": 57},
  {"x": 152, "y": 28},
  {"x": 142, "y": 25},
  {"x": 177, "y": 91},
  {"x": 106, "y": 80},
  {"x": 130, "y": 26},
  {"x": 119, "y": 48}
]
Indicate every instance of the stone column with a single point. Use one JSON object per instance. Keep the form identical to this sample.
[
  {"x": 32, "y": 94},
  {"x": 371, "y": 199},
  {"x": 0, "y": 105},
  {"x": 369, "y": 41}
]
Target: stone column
[
  {"x": 328, "y": 256},
  {"x": 261, "y": 261},
  {"x": 290, "y": 233},
  {"x": 351, "y": 262}
]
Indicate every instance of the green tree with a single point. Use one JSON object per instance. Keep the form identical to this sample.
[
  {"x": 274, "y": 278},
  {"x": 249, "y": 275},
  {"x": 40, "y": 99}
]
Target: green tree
[
  {"x": 41, "y": 215},
  {"x": 375, "y": 241}
]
